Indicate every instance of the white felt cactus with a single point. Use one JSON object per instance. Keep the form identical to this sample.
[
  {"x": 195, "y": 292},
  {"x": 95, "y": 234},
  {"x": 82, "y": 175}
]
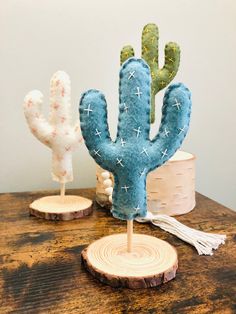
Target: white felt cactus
[{"x": 56, "y": 132}]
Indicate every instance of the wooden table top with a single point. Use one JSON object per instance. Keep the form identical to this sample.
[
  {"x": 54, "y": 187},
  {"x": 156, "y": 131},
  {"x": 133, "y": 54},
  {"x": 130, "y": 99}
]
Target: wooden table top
[{"x": 41, "y": 269}]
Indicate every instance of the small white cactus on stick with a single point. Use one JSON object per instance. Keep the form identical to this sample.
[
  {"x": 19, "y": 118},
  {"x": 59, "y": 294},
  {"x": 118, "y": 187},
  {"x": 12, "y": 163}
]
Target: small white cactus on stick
[
  {"x": 56, "y": 132},
  {"x": 63, "y": 138}
]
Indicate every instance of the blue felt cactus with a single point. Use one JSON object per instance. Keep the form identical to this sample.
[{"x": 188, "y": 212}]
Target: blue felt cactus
[{"x": 133, "y": 155}]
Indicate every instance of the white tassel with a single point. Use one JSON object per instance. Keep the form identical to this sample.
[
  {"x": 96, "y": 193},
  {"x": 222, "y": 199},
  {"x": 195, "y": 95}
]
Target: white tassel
[{"x": 202, "y": 241}]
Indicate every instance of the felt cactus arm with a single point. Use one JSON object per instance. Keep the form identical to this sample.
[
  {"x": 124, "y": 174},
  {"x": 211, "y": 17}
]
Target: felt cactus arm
[
  {"x": 93, "y": 123},
  {"x": 58, "y": 133},
  {"x": 134, "y": 102},
  {"x": 39, "y": 126},
  {"x": 133, "y": 154},
  {"x": 60, "y": 105},
  {"x": 162, "y": 77},
  {"x": 176, "y": 112},
  {"x": 150, "y": 36},
  {"x": 126, "y": 53}
]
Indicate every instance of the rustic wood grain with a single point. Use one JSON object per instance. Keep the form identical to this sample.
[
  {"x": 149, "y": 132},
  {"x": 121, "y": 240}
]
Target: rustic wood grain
[
  {"x": 56, "y": 208},
  {"x": 159, "y": 261},
  {"x": 41, "y": 271}
]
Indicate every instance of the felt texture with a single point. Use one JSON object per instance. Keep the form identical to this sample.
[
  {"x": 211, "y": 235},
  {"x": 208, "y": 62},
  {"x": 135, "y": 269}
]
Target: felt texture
[
  {"x": 56, "y": 133},
  {"x": 132, "y": 155},
  {"x": 161, "y": 77}
]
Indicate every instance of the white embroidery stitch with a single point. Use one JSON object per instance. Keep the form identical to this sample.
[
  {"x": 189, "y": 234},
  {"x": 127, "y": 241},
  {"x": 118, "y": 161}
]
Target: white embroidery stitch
[
  {"x": 182, "y": 129},
  {"x": 144, "y": 151},
  {"x": 142, "y": 173},
  {"x": 136, "y": 209},
  {"x": 96, "y": 152},
  {"x": 177, "y": 104},
  {"x": 138, "y": 131},
  {"x": 131, "y": 74},
  {"x": 164, "y": 153},
  {"x": 166, "y": 132},
  {"x": 125, "y": 188},
  {"x": 139, "y": 93},
  {"x": 119, "y": 162},
  {"x": 88, "y": 110},
  {"x": 98, "y": 133},
  {"x": 125, "y": 107},
  {"x": 122, "y": 142}
]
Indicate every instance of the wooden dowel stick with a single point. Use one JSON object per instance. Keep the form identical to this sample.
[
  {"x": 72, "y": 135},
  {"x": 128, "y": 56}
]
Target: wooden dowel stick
[
  {"x": 129, "y": 235},
  {"x": 62, "y": 192}
]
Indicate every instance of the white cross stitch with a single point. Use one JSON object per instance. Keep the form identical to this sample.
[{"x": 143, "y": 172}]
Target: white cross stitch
[
  {"x": 96, "y": 152},
  {"x": 131, "y": 74},
  {"x": 125, "y": 188},
  {"x": 166, "y": 132},
  {"x": 137, "y": 208},
  {"x": 98, "y": 133},
  {"x": 125, "y": 107},
  {"x": 144, "y": 151},
  {"x": 88, "y": 110},
  {"x": 138, "y": 131},
  {"x": 122, "y": 142},
  {"x": 164, "y": 153},
  {"x": 182, "y": 129},
  {"x": 142, "y": 173},
  {"x": 177, "y": 104},
  {"x": 119, "y": 162},
  {"x": 138, "y": 93}
]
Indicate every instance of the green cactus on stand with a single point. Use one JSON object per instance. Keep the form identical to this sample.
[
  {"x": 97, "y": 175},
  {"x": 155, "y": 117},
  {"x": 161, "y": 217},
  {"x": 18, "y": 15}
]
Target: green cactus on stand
[{"x": 161, "y": 77}]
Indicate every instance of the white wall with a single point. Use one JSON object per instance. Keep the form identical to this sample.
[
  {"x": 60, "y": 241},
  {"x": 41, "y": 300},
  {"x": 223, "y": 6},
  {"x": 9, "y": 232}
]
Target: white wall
[{"x": 84, "y": 39}]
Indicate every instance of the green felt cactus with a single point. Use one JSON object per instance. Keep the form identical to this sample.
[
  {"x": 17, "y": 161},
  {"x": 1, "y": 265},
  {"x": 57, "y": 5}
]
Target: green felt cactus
[
  {"x": 126, "y": 53},
  {"x": 161, "y": 77}
]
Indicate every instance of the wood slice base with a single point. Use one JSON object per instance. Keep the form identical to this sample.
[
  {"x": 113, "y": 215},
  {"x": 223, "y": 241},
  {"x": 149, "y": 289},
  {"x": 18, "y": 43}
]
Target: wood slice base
[
  {"x": 151, "y": 262},
  {"x": 56, "y": 207}
]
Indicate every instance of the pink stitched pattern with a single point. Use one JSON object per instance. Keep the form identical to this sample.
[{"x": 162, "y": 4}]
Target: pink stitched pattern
[{"x": 56, "y": 132}]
